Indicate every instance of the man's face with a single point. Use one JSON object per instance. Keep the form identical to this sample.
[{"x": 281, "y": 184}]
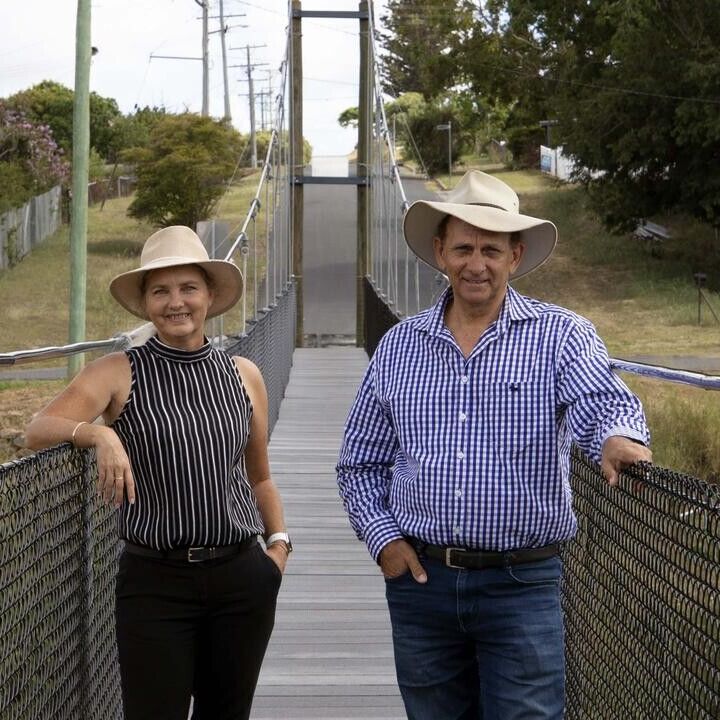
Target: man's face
[{"x": 478, "y": 263}]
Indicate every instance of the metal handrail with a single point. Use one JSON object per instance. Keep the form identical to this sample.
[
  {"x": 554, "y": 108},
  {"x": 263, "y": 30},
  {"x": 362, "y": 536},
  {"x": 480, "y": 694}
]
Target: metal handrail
[
  {"x": 684, "y": 377},
  {"x": 119, "y": 342}
]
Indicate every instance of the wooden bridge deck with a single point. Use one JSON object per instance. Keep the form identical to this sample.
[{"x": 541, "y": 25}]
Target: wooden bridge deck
[{"x": 331, "y": 652}]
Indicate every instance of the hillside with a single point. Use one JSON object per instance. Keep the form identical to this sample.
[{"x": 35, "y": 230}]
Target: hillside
[{"x": 642, "y": 304}]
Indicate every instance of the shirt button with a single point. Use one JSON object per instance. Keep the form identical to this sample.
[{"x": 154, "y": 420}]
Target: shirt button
[
  {"x": 458, "y": 493},
  {"x": 464, "y": 379},
  {"x": 456, "y": 529},
  {"x": 463, "y": 417},
  {"x": 460, "y": 455}
]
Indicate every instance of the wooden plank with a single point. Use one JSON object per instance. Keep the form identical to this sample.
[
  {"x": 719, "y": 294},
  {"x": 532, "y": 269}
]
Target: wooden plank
[{"x": 330, "y": 655}]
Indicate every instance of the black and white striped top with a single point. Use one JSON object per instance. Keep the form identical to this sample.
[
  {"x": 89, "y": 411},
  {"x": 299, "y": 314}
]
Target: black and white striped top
[{"x": 185, "y": 427}]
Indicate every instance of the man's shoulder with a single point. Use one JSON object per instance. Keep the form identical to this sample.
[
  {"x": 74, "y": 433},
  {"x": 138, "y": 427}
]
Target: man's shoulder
[
  {"x": 556, "y": 314},
  {"x": 406, "y": 327}
]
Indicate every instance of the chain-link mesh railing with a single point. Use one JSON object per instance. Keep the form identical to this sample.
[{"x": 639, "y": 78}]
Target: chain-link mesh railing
[
  {"x": 641, "y": 589},
  {"x": 58, "y": 549},
  {"x": 269, "y": 343},
  {"x": 641, "y": 595}
]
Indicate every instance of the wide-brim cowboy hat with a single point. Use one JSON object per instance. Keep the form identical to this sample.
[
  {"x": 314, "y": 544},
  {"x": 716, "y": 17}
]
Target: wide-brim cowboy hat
[
  {"x": 487, "y": 203},
  {"x": 170, "y": 247}
]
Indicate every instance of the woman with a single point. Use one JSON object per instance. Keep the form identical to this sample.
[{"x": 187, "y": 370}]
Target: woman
[{"x": 183, "y": 456}]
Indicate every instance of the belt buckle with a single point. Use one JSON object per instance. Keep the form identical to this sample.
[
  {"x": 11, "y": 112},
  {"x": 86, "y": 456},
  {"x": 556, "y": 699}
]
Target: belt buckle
[
  {"x": 200, "y": 550},
  {"x": 448, "y": 561}
]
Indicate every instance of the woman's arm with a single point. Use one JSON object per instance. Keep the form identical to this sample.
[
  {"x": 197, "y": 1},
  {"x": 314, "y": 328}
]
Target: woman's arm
[
  {"x": 257, "y": 462},
  {"x": 100, "y": 389}
]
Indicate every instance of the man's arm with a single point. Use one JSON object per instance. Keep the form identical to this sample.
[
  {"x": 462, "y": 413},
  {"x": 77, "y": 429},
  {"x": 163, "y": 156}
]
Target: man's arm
[
  {"x": 604, "y": 417},
  {"x": 364, "y": 469}
]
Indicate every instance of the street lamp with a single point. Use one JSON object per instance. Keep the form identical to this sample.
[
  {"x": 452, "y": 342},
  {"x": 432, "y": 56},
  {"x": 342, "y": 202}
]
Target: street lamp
[{"x": 448, "y": 126}]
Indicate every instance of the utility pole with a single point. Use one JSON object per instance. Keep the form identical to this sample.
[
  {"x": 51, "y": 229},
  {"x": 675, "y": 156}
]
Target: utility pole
[
  {"x": 226, "y": 88},
  {"x": 223, "y": 30},
  {"x": 206, "y": 61},
  {"x": 251, "y": 93},
  {"x": 203, "y": 58},
  {"x": 80, "y": 158}
]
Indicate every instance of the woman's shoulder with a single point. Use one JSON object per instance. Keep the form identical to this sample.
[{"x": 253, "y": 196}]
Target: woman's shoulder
[
  {"x": 107, "y": 366},
  {"x": 249, "y": 371}
]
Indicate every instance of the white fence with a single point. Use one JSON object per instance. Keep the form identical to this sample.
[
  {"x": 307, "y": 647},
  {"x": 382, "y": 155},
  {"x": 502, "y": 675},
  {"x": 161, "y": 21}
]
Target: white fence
[{"x": 28, "y": 226}]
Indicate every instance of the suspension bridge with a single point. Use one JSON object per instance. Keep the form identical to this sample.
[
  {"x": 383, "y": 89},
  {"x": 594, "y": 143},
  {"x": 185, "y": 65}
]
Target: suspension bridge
[{"x": 327, "y": 272}]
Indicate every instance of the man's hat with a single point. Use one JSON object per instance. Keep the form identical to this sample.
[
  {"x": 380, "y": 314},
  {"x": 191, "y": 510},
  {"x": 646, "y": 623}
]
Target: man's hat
[
  {"x": 487, "y": 203},
  {"x": 173, "y": 246}
]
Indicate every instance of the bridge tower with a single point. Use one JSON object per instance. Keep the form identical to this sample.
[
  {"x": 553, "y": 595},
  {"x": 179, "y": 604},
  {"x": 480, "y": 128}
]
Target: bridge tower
[{"x": 299, "y": 179}]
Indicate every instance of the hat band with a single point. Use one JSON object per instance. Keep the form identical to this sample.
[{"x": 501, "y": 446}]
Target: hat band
[{"x": 172, "y": 260}]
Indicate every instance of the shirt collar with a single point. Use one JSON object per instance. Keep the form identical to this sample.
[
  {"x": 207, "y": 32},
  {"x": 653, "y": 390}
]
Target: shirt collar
[{"x": 515, "y": 308}]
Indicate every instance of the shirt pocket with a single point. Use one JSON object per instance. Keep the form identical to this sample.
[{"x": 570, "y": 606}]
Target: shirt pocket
[{"x": 517, "y": 414}]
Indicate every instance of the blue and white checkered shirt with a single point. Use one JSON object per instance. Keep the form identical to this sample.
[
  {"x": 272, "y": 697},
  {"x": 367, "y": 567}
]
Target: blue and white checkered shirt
[{"x": 475, "y": 452}]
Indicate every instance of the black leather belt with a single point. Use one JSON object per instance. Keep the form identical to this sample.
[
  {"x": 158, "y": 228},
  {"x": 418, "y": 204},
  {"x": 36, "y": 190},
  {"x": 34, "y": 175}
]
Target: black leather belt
[
  {"x": 455, "y": 557},
  {"x": 192, "y": 554}
]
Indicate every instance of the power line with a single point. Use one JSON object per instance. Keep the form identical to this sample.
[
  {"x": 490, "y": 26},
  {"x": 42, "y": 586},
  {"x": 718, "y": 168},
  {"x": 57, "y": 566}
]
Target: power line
[{"x": 598, "y": 86}]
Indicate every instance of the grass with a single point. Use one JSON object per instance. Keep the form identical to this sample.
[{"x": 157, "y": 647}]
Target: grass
[
  {"x": 35, "y": 294},
  {"x": 641, "y": 304}
]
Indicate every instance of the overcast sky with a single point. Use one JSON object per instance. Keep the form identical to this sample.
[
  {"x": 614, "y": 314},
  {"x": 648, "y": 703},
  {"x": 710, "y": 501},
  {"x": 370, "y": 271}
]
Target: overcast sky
[{"x": 37, "y": 42}]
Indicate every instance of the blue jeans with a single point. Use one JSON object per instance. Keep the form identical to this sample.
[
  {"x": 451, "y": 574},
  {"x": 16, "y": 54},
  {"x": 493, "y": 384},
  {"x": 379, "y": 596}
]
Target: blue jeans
[{"x": 480, "y": 644}]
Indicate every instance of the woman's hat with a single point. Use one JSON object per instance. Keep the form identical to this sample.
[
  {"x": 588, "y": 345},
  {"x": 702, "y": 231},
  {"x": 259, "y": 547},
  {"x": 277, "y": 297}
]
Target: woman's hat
[
  {"x": 178, "y": 245},
  {"x": 487, "y": 203}
]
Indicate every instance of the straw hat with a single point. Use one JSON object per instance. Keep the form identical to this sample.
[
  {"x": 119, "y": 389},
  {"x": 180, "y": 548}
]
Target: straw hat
[
  {"x": 485, "y": 202},
  {"x": 178, "y": 245}
]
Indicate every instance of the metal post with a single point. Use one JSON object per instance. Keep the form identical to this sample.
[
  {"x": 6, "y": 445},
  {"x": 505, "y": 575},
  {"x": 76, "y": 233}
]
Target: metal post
[
  {"x": 297, "y": 167},
  {"x": 362, "y": 172},
  {"x": 449, "y": 155},
  {"x": 80, "y": 157}
]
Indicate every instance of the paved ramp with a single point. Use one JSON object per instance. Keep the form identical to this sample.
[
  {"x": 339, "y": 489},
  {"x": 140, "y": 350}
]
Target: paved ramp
[{"x": 331, "y": 653}]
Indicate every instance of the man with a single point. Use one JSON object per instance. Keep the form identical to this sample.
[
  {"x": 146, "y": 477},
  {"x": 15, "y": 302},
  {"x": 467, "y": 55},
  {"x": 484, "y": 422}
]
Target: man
[{"x": 455, "y": 463}]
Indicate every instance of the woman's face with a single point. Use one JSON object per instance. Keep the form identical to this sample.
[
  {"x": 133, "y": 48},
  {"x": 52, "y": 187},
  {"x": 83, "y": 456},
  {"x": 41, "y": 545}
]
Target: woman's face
[{"x": 177, "y": 300}]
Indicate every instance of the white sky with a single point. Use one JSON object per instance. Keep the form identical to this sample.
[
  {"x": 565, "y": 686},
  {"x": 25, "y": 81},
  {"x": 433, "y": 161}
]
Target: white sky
[{"x": 37, "y": 42}]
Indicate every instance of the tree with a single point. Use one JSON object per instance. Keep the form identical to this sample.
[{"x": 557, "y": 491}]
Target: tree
[
  {"x": 421, "y": 44},
  {"x": 349, "y": 117},
  {"x": 133, "y": 130},
  {"x": 184, "y": 170},
  {"x": 30, "y": 160},
  {"x": 639, "y": 104},
  {"x": 50, "y": 103},
  {"x": 418, "y": 130},
  {"x": 263, "y": 139}
]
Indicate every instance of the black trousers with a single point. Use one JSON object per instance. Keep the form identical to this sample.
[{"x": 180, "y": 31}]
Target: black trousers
[{"x": 193, "y": 629}]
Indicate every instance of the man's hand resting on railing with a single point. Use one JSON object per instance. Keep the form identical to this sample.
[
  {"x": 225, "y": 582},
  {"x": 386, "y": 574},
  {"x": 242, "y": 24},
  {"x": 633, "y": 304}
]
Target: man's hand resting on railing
[{"x": 619, "y": 452}]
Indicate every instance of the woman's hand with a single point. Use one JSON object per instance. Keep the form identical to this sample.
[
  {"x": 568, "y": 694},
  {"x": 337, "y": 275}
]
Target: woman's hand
[
  {"x": 115, "y": 479},
  {"x": 278, "y": 554}
]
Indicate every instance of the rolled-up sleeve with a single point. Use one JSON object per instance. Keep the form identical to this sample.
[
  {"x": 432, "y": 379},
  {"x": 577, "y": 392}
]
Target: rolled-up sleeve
[
  {"x": 597, "y": 402},
  {"x": 364, "y": 469}
]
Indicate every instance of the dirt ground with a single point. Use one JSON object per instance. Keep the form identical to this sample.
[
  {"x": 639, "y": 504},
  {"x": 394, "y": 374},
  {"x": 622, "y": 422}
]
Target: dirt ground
[{"x": 18, "y": 402}]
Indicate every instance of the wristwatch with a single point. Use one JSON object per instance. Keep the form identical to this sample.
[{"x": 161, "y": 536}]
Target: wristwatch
[{"x": 279, "y": 537}]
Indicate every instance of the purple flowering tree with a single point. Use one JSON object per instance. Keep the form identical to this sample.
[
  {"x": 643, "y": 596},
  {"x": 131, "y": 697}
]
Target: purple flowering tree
[{"x": 30, "y": 160}]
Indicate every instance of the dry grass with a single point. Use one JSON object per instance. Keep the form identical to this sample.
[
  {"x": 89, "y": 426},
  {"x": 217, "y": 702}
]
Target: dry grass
[
  {"x": 641, "y": 304},
  {"x": 34, "y": 295}
]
